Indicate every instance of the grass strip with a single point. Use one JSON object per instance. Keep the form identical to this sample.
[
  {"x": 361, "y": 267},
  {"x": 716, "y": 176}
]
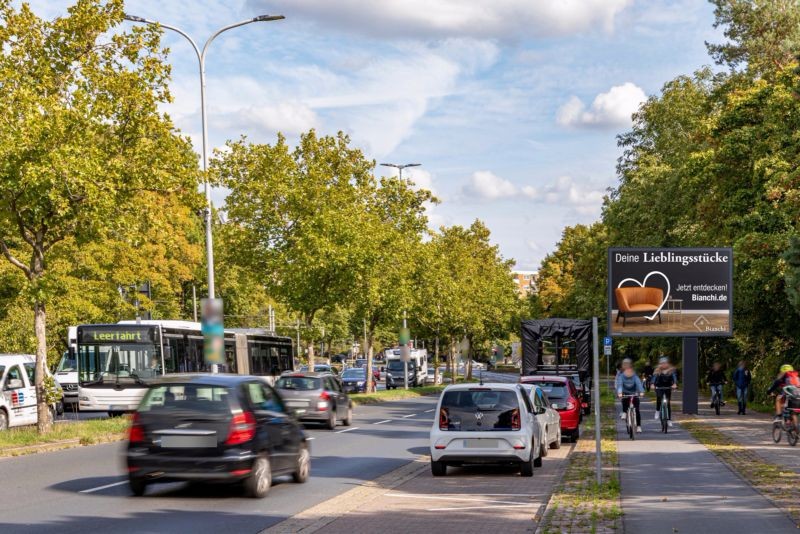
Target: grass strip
[
  {"x": 26, "y": 440},
  {"x": 579, "y": 503},
  {"x": 778, "y": 485},
  {"x": 387, "y": 395}
]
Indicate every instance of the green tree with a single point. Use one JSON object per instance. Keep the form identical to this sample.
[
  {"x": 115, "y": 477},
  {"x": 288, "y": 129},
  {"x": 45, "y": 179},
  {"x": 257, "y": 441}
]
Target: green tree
[{"x": 81, "y": 137}]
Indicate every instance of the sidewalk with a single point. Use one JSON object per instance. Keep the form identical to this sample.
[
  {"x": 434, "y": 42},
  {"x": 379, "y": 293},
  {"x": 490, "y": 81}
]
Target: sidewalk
[{"x": 671, "y": 483}]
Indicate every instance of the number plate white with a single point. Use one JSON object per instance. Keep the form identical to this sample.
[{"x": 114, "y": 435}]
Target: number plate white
[
  {"x": 480, "y": 443},
  {"x": 188, "y": 442}
]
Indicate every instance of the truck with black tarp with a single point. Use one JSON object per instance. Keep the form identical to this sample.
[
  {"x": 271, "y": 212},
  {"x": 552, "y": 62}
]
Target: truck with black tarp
[{"x": 559, "y": 347}]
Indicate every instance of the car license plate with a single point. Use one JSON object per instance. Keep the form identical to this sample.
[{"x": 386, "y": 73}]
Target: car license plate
[
  {"x": 480, "y": 443},
  {"x": 189, "y": 442},
  {"x": 117, "y": 408}
]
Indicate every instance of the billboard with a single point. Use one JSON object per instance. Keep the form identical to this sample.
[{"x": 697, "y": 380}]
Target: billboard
[{"x": 685, "y": 292}]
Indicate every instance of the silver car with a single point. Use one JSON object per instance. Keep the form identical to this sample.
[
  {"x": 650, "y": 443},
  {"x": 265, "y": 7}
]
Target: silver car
[{"x": 316, "y": 397}]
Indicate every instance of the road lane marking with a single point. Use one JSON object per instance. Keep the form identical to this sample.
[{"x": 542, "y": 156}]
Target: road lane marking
[
  {"x": 346, "y": 430},
  {"x": 99, "y": 488},
  {"x": 431, "y": 410},
  {"x": 309, "y": 439},
  {"x": 384, "y": 421},
  {"x": 409, "y": 415}
]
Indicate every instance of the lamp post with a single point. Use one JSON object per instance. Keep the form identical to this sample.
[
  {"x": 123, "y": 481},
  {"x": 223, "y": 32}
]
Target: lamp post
[
  {"x": 201, "y": 58},
  {"x": 400, "y": 167}
]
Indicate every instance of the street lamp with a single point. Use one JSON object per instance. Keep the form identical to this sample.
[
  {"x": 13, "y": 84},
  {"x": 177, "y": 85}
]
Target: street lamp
[
  {"x": 400, "y": 167},
  {"x": 201, "y": 58}
]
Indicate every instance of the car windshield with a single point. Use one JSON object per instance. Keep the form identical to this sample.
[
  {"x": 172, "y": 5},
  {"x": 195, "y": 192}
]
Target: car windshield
[
  {"x": 169, "y": 398},
  {"x": 430, "y": 372},
  {"x": 321, "y": 368},
  {"x": 67, "y": 364},
  {"x": 354, "y": 373},
  {"x": 397, "y": 366},
  {"x": 480, "y": 410},
  {"x": 298, "y": 383},
  {"x": 554, "y": 390}
]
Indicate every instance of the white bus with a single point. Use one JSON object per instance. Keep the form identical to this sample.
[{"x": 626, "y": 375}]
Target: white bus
[
  {"x": 116, "y": 362},
  {"x": 67, "y": 370}
]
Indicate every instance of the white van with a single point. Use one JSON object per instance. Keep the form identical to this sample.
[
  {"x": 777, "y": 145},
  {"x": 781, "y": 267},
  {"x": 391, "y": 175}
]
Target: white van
[
  {"x": 18, "y": 391},
  {"x": 417, "y": 367},
  {"x": 67, "y": 370}
]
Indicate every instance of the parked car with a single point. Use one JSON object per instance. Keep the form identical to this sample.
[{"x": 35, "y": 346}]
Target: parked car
[
  {"x": 354, "y": 380},
  {"x": 480, "y": 424},
  {"x": 584, "y": 394},
  {"x": 564, "y": 398},
  {"x": 548, "y": 418},
  {"x": 215, "y": 428},
  {"x": 321, "y": 368},
  {"x": 316, "y": 397},
  {"x": 18, "y": 398},
  {"x": 431, "y": 377}
]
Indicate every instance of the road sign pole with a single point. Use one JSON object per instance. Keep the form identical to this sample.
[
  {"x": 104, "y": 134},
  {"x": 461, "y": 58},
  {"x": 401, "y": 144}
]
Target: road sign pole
[
  {"x": 596, "y": 391},
  {"x": 690, "y": 375}
]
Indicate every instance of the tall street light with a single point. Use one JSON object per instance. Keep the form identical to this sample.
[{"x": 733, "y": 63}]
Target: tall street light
[
  {"x": 400, "y": 167},
  {"x": 201, "y": 58}
]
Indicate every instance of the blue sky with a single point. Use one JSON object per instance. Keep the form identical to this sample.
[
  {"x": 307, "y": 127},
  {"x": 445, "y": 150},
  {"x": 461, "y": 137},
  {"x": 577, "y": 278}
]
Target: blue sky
[{"x": 511, "y": 106}]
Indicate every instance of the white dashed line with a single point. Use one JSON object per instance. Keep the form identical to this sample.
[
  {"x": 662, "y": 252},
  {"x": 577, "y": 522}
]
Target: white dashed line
[
  {"x": 431, "y": 410},
  {"x": 384, "y": 421},
  {"x": 409, "y": 415},
  {"x": 104, "y": 487},
  {"x": 346, "y": 430}
]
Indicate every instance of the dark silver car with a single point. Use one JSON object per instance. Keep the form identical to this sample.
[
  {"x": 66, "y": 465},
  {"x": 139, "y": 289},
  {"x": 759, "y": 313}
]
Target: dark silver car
[{"x": 316, "y": 397}]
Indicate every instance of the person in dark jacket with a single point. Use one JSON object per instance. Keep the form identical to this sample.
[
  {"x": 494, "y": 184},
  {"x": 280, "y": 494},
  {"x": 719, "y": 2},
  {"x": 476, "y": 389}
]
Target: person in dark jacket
[
  {"x": 716, "y": 379},
  {"x": 741, "y": 380},
  {"x": 647, "y": 375},
  {"x": 665, "y": 380}
]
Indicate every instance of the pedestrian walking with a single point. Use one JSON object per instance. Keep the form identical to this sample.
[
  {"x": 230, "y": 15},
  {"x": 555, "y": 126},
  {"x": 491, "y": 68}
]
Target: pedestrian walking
[{"x": 741, "y": 380}]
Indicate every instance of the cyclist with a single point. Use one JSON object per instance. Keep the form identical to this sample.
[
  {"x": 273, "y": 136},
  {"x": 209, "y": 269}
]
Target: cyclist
[
  {"x": 630, "y": 388},
  {"x": 647, "y": 375},
  {"x": 716, "y": 379},
  {"x": 627, "y": 363},
  {"x": 742, "y": 378},
  {"x": 665, "y": 380},
  {"x": 787, "y": 376}
]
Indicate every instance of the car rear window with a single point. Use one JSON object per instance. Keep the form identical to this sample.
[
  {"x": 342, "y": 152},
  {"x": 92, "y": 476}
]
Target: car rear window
[
  {"x": 480, "y": 410},
  {"x": 186, "y": 397},
  {"x": 554, "y": 390},
  {"x": 298, "y": 383}
]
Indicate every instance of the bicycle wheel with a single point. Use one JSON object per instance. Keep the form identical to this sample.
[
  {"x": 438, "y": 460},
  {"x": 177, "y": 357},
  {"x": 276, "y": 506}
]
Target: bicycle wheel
[
  {"x": 792, "y": 436},
  {"x": 631, "y": 429},
  {"x": 776, "y": 432},
  {"x": 717, "y": 404}
]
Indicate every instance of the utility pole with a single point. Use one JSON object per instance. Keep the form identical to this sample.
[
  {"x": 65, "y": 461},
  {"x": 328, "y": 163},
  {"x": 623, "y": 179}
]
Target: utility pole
[
  {"x": 194, "y": 302},
  {"x": 405, "y": 353}
]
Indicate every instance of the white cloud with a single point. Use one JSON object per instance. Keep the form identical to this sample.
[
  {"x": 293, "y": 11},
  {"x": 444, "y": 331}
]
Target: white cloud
[
  {"x": 610, "y": 109},
  {"x": 489, "y": 186},
  {"x": 566, "y": 192},
  {"x": 484, "y": 19}
]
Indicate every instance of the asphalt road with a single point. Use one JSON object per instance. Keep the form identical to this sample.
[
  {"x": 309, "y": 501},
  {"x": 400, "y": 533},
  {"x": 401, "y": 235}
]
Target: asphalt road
[{"x": 84, "y": 490}]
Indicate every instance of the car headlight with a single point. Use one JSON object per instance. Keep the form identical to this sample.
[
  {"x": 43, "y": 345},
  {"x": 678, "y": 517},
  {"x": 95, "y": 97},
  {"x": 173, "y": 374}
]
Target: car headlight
[{"x": 360, "y": 383}]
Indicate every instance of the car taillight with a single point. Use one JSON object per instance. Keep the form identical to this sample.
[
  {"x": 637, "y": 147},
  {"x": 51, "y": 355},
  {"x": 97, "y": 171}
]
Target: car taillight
[
  {"x": 322, "y": 403},
  {"x": 570, "y": 405},
  {"x": 243, "y": 428},
  {"x": 515, "y": 421},
  {"x": 136, "y": 431},
  {"x": 444, "y": 421}
]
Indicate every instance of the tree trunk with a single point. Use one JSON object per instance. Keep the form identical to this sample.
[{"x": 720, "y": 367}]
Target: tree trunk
[
  {"x": 436, "y": 361},
  {"x": 368, "y": 352},
  {"x": 309, "y": 320},
  {"x": 468, "y": 364},
  {"x": 453, "y": 362},
  {"x": 447, "y": 359},
  {"x": 44, "y": 423}
]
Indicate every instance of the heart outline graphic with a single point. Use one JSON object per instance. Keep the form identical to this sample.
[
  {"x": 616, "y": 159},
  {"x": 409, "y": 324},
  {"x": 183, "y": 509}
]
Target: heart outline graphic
[{"x": 643, "y": 284}]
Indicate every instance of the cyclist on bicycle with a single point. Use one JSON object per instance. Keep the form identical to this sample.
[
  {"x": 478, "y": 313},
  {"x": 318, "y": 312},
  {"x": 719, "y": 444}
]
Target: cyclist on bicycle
[
  {"x": 716, "y": 379},
  {"x": 787, "y": 376},
  {"x": 647, "y": 375},
  {"x": 665, "y": 380},
  {"x": 626, "y": 363},
  {"x": 630, "y": 388}
]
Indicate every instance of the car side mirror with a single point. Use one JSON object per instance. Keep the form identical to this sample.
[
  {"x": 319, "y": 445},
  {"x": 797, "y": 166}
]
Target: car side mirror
[{"x": 14, "y": 383}]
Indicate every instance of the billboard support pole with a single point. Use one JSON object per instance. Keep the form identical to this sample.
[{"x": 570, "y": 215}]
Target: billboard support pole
[
  {"x": 690, "y": 375},
  {"x": 596, "y": 391}
]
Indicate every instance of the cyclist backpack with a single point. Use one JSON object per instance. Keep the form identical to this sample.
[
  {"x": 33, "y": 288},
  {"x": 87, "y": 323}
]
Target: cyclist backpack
[{"x": 792, "y": 379}]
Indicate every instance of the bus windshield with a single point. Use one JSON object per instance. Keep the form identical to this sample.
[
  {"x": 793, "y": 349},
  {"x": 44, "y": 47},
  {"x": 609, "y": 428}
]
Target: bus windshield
[{"x": 118, "y": 362}]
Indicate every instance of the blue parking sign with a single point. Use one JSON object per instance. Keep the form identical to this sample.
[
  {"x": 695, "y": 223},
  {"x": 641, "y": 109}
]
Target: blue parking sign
[{"x": 607, "y": 341}]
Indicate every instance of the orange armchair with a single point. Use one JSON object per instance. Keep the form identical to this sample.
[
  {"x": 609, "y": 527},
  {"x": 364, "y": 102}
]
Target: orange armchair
[{"x": 638, "y": 301}]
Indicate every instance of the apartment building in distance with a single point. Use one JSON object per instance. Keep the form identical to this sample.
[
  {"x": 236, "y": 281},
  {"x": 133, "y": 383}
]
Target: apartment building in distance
[{"x": 525, "y": 282}]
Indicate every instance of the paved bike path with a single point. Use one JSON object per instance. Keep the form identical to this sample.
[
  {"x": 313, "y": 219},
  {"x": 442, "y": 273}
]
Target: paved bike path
[{"x": 671, "y": 483}]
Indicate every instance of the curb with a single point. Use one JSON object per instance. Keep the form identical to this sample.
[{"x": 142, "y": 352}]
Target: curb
[{"x": 53, "y": 446}]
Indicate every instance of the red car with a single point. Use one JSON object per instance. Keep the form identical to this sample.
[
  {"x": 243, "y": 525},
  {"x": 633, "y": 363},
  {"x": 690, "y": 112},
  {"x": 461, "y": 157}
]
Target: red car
[{"x": 564, "y": 397}]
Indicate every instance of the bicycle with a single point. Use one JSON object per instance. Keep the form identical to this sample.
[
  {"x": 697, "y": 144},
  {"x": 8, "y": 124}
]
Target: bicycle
[
  {"x": 664, "y": 410},
  {"x": 788, "y": 424},
  {"x": 716, "y": 397},
  {"x": 630, "y": 416}
]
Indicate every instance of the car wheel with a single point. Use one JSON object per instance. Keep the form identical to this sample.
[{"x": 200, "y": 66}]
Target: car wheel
[
  {"x": 303, "y": 468},
  {"x": 438, "y": 469},
  {"x": 575, "y": 435},
  {"x": 138, "y": 486},
  {"x": 53, "y": 411},
  {"x": 258, "y": 483},
  {"x": 60, "y": 408},
  {"x": 348, "y": 420},
  {"x": 526, "y": 468},
  {"x": 557, "y": 443},
  {"x": 3, "y": 420},
  {"x": 543, "y": 453},
  {"x": 331, "y": 423}
]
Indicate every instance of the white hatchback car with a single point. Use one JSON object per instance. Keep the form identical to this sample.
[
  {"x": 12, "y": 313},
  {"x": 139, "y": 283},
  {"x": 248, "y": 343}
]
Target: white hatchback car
[
  {"x": 549, "y": 419},
  {"x": 485, "y": 424}
]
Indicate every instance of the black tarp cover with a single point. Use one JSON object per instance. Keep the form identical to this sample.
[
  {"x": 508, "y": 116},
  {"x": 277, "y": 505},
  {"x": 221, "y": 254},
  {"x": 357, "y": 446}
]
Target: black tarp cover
[{"x": 533, "y": 330}]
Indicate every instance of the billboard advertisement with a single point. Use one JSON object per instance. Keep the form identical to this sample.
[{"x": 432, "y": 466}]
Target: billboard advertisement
[{"x": 685, "y": 292}]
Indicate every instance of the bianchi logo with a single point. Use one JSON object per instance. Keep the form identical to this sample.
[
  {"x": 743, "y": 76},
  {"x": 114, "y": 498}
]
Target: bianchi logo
[
  {"x": 479, "y": 416},
  {"x": 702, "y": 324}
]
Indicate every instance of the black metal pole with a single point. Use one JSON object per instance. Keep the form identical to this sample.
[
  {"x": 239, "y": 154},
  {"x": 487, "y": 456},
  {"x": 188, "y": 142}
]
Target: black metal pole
[{"x": 691, "y": 375}]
